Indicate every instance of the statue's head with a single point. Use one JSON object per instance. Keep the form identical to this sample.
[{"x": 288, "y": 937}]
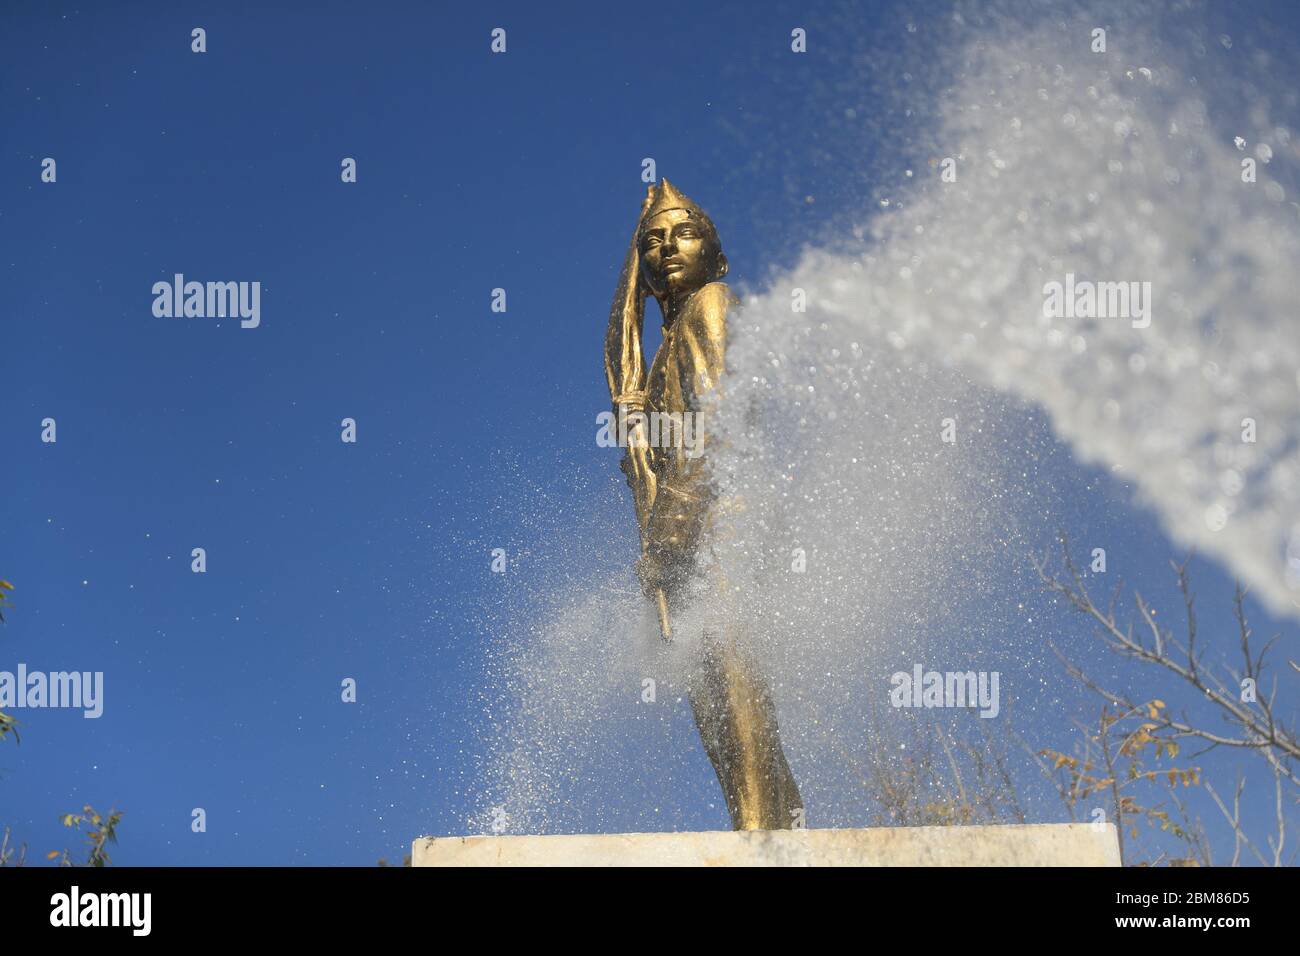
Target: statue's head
[{"x": 680, "y": 251}]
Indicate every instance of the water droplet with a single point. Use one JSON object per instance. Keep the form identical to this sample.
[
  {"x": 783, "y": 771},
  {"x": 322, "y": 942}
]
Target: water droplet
[{"x": 1216, "y": 517}]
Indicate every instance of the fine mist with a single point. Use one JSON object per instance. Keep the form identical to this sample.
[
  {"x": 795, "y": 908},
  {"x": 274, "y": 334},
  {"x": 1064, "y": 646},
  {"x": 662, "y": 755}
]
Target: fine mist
[{"x": 865, "y": 539}]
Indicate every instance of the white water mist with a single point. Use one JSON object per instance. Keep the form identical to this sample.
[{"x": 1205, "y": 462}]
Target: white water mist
[{"x": 1114, "y": 167}]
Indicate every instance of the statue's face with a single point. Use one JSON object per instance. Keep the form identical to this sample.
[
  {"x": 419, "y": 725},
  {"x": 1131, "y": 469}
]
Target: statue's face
[{"x": 678, "y": 254}]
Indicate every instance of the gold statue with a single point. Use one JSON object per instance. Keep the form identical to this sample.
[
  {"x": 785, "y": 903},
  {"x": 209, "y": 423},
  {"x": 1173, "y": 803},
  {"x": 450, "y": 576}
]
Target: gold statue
[{"x": 675, "y": 256}]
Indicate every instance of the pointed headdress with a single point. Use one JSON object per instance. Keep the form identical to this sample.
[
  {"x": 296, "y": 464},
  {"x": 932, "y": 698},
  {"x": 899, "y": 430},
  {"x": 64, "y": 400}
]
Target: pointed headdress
[{"x": 667, "y": 197}]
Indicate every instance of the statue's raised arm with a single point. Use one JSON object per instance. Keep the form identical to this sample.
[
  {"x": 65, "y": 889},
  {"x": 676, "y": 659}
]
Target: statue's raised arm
[{"x": 625, "y": 368}]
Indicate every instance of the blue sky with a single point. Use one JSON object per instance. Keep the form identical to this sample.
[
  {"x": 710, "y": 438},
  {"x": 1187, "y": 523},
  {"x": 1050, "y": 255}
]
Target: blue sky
[{"x": 328, "y": 560}]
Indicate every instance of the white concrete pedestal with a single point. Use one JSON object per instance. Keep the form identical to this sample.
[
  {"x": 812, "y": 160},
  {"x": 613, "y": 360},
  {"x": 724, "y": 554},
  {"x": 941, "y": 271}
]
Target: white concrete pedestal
[{"x": 1054, "y": 844}]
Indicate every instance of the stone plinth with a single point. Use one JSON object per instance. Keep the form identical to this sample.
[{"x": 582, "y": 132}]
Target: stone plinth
[{"x": 1055, "y": 844}]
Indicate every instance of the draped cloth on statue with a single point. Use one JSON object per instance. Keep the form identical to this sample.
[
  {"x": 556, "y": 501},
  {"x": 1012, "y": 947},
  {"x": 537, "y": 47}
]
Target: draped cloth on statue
[{"x": 730, "y": 698}]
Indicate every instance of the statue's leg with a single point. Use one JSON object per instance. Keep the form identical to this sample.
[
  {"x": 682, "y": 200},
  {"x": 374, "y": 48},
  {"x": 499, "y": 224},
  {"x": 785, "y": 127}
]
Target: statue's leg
[{"x": 737, "y": 722}]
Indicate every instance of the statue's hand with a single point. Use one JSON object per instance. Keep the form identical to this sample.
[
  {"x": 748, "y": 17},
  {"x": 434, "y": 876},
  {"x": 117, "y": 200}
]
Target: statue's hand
[
  {"x": 653, "y": 573},
  {"x": 640, "y": 216},
  {"x": 659, "y": 571},
  {"x": 643, "y": 291}
]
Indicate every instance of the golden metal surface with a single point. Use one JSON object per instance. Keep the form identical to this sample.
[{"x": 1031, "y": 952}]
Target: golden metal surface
[{"x": 675, "y": 257}]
